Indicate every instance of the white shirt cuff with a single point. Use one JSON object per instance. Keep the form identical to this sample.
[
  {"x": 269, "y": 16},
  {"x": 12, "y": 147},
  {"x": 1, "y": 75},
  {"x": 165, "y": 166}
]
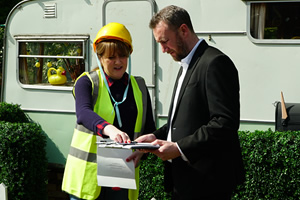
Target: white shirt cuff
[{"x": 182, "y": 155}]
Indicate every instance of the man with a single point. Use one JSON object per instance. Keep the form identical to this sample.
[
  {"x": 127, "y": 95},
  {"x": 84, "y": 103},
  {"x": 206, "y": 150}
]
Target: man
[{"x": 200, "y": 140}]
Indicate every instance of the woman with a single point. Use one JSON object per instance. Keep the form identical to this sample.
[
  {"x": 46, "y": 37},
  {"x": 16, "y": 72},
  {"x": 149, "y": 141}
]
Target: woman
[{"x": 110, "y": 103}]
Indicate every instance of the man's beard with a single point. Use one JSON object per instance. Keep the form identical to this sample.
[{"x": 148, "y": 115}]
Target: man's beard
[{"x": 181, "y": 52}]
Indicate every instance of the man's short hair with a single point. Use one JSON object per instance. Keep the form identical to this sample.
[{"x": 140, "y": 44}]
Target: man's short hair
[{"x": 173, "y": 16}]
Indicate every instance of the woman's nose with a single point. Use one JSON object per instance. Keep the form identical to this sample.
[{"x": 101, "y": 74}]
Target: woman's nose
[{"x": 118, "y": 60}]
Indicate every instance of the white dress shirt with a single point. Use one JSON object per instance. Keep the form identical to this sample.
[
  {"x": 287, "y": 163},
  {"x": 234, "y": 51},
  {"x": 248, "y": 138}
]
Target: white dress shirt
[{"x": 184, "y": 63}]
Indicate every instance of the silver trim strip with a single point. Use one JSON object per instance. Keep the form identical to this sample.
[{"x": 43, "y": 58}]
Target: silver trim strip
[
  {"x": 241, "y": 120},
  {"x": 86, "y": 156}
]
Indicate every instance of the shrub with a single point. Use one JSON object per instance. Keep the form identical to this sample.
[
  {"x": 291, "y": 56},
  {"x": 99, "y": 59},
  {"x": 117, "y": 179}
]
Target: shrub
[
  {"x": 152, "y": 179},
  {"x": 23, "y": 160},
  {"x": 12, "y": 113},
  {"x": 271, "y": 160},
  {"x": 272, "y": 163}
]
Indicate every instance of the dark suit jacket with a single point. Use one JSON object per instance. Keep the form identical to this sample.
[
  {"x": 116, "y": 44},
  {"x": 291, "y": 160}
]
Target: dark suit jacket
[{"x": 205, "y": 126}]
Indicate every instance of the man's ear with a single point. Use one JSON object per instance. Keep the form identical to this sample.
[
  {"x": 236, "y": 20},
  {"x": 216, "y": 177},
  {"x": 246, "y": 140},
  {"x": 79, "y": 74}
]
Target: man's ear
[{"x": 184, "y": 30}]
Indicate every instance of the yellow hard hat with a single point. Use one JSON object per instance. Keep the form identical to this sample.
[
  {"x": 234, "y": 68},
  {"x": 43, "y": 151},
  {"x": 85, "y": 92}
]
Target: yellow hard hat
[{"x": 114, "y": 31}]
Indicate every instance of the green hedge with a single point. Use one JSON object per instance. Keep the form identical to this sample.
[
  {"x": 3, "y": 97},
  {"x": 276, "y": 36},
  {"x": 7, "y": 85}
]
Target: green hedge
[
  {"x": 23, "y": 160},
  {"x": 272, "y": 164},
  {"x": 12, "y": 113},
  {"x": 152, "y": 179}
]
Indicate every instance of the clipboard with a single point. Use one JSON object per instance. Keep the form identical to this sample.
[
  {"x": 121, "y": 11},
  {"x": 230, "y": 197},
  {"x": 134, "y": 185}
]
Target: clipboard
[{"x": 132, "y": 145}]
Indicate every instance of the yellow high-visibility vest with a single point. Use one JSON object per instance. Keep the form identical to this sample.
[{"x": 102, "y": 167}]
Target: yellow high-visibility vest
[{"x": 80, "y": 175}]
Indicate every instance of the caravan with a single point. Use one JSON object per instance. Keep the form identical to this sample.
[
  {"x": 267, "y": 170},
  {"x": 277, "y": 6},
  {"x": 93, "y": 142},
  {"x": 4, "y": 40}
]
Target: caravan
[{"x": 44, "y": 38}]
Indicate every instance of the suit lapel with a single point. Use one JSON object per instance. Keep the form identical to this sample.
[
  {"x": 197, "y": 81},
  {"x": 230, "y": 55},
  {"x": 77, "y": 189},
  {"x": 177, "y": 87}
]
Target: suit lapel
[
  {"x": 196, "y": 57},
  {"x": 173, "y": 95}
]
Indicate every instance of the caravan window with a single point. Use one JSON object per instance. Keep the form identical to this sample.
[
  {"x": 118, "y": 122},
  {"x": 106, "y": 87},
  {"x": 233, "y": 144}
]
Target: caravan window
[
  {"x": 48, "y": 62},
  {"x": 279, "y": 20}
]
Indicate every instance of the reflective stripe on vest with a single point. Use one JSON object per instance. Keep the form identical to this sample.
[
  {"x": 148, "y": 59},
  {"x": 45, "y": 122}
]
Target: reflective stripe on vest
[{"x": 83, "y": 150}]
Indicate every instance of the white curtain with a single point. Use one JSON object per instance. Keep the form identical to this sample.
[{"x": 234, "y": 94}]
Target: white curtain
[{"x": 258, "y": 15}]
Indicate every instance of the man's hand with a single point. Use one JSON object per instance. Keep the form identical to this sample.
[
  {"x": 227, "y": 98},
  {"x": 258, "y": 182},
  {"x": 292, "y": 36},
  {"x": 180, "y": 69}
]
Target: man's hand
[
  {"x": 168, "y": 150},
  {"x": 146, "y": 138},
  {"x": 136, "y": 157}
]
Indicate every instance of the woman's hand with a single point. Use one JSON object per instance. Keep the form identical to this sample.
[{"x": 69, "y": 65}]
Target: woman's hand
[
  {"x": 136, "y": 157},
  {"x": 116, "y": 134}
]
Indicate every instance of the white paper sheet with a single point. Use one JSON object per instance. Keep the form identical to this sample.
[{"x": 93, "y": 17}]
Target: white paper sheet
[{"x": 113, "y": 170}]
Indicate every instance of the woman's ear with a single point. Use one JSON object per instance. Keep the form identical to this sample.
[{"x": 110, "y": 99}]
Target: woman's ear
[{"x": 100, "y": 59}]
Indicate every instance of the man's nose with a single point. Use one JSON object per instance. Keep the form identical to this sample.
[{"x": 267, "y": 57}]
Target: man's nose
[{"x": 164, "y": 48}]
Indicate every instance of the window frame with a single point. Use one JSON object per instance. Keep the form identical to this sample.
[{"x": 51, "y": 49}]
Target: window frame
[
  {"x": 266, "y": 41},
  {"x": 51, "y": 38}
]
